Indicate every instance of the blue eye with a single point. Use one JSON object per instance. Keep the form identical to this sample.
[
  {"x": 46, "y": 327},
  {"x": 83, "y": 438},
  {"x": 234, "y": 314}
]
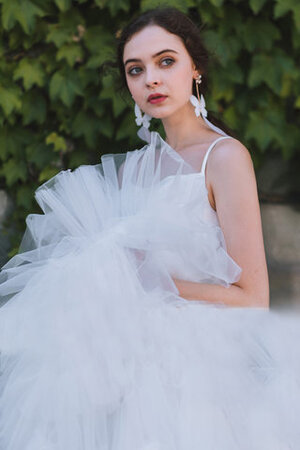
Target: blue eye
[
  {"x": 167, "y": 61},
  {"x": 134, "y": 71}
]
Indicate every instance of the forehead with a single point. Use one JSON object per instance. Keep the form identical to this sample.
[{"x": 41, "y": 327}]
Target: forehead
[{"x": 151, "y": 40}]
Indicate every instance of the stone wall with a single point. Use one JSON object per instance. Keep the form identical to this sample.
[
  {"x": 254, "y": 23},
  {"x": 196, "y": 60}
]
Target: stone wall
[{"x": 281, "y": 228}]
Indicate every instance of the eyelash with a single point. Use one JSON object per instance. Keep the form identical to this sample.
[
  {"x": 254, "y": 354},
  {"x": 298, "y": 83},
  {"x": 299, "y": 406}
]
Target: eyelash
[{"x": 130, "y": 71}]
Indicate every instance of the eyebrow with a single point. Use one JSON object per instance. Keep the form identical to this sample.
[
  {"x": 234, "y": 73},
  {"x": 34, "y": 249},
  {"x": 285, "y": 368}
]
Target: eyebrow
[{"x": 156, "y": 54}]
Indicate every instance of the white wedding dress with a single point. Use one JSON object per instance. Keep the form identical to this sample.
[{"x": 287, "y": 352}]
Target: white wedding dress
[{"x": 98, "y": 350}]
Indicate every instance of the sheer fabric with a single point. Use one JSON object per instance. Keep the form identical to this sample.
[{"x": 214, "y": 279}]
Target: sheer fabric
[{"x": 99, "y": 352}]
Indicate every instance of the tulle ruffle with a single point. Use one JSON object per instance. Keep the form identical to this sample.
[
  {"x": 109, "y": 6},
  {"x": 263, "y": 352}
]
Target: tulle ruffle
[{"x": 98, "y": 351}]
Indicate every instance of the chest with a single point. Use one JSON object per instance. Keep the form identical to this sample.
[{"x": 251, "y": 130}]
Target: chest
[{"x": 194, "y": 156}]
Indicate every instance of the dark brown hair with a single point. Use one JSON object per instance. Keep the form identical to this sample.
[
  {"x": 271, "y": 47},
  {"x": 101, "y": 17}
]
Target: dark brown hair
[{"x": 175, "y": 22}]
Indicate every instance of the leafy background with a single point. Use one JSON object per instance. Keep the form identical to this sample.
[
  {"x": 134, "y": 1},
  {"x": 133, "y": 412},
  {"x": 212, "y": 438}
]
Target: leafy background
[{"x": 59, "y": 110}]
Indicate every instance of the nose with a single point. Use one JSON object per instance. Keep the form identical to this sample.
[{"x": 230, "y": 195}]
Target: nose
[{"x": 152, "y": 79}]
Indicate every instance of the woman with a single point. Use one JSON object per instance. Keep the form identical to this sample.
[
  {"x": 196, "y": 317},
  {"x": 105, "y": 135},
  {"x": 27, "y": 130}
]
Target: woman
[
  {"x": 169, "y": 65},
  {"x": 101, "y": 346}
]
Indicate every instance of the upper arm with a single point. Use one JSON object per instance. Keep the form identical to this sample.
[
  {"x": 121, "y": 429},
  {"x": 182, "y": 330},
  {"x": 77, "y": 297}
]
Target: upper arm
[{"x": 231, "y": 176}]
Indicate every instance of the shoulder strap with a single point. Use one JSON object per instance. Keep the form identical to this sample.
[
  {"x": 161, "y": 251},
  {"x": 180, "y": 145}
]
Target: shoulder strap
[{"x": 209, "y": 150}]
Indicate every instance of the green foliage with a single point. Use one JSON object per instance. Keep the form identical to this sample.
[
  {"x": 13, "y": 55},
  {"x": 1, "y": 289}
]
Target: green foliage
[
  {"x": 58, "y": 110},
  {"x": 23, "y": 12},
  {"x": 31, "y": 72}
]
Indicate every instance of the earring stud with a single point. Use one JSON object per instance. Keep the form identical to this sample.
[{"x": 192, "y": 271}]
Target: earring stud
[{"x": 199, "y": 79}]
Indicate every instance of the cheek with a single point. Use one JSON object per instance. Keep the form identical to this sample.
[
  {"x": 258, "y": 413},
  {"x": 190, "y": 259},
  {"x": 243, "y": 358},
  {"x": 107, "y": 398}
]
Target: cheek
[
  {"x": 183, "y": 79},
  {"x": 133, "y": 87}
]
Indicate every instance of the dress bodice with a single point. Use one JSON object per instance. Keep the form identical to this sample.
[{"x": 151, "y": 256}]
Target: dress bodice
[
  {"x": 188, "y": 227},
  {"x": 192, "y": 186},
  {"x": 190, "y": 194}
]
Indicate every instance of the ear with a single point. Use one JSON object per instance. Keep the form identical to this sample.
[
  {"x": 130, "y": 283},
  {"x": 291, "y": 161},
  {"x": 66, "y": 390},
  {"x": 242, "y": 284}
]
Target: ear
[{"x": 196, "y": 73}]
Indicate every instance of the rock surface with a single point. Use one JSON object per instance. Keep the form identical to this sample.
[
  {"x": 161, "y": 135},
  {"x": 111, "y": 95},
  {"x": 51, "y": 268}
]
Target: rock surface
[{"x": 281, "y": 228}]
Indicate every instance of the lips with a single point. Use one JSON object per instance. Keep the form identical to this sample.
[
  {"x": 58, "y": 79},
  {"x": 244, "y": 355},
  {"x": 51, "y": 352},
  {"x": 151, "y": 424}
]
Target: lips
[{"x": 156, "y": 98}]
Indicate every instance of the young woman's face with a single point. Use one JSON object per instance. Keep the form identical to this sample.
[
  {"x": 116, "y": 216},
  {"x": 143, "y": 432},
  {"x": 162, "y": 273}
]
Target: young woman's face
[{"x": 159, "y": 71}]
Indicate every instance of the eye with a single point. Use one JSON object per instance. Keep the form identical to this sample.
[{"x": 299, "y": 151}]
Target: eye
[
  {"x": 167, "y": 61},
  {"x": 134, "y": 70}
]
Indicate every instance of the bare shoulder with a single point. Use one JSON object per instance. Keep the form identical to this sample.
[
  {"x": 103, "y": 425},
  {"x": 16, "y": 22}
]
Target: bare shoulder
[
  {"x": 229, "y": 171},
  {"x": 229, "y": 154}
]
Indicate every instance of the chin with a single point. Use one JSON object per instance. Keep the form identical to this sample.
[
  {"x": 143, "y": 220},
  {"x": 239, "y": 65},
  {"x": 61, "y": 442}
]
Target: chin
[{"x": 160, "y": 114}]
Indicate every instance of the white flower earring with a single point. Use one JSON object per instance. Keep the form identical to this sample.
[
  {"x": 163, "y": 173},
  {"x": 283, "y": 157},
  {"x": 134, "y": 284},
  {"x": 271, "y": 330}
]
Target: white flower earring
[
  {"x": 140, "y": 119},
  {"x": 198, "y": 103},
  {"x": 144, "y": 122}
]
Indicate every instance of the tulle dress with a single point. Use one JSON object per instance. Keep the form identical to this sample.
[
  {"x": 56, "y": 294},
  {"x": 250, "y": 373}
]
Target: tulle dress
[{"x": 99, "y": 351}]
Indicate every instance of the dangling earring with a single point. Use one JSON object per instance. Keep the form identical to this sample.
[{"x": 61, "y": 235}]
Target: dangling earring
[
  {"x": 198, "y": 103},
  {"x": 141, "y": 119}
]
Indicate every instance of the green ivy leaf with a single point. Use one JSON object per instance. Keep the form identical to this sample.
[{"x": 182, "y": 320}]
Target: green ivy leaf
[
  {"x": 100, "y": 44},
  {"x": 48, "y": 60},
  {"x": 91, "y": 101},
  {"x": 282, "y": 7},
  {"x": 234, "y": 73},
  {"x": 13, "y": 140},
  {"x": 77, "y": 159},
  {"x": 217, "y": 3},
  {"x": 257, "y": 5},
  {"x": 58, "y": 35},
  {"x": 259, "y": 34},
  {"x": 66, "y": 28},
  {"x": 58, "y": 142},
  {"x": 289, "y": 140},
  {"x": 87, "y": 125},
  {"x": 114, "y": 5},
  {"x": 265, "y": 126},
  {"x": 72, "y": 53},
  {"x": 10, "y": 99},
  {"x": 182, "y": 5},
  {"x": 22, "y": 11},
  {"x": 34, "y": 108},
  {"x": 106, "y": 127},
  {"x": 231, "y": 117},
  {"x": 7, "y": 142},
  {"x": 222, "y": 87},
  {"x": 127, "y": 127},
  {"x": 65, "y": 85},
  {"x": 48, "y": 173},
  {"x": 297, "y": 102},
  {"x": 63, "y": 5},
  {"x": 109, "y": 92},
  {"x": 270, "y": 69},
  {"x": 25, "y": 197},
  {"x": 38, "y": 153},
  {"x": 226, "y": 48},
  {"x": 295, "y": 38},
  {"x": 2, "y": 49},
  {"x": 31, "y": 71},
  {"x": 8, "y": 14},
  {"x": 14, "y": 171}
]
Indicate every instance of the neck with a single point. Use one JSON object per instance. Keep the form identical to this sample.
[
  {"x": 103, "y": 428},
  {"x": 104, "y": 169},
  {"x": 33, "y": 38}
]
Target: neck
[{"x": 183, "y": 128}]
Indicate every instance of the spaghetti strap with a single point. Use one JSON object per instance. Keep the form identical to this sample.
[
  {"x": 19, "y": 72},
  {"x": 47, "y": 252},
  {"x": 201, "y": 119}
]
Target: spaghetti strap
[{"x": 209, "y": 150}]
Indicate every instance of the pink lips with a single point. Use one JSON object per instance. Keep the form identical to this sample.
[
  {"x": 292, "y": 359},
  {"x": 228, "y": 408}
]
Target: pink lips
[{"x": 156, "y": 98}]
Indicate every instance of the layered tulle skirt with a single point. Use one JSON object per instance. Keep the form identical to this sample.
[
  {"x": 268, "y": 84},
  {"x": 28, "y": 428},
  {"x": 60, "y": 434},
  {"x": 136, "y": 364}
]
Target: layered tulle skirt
[{"x": 99, "y": 352}]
